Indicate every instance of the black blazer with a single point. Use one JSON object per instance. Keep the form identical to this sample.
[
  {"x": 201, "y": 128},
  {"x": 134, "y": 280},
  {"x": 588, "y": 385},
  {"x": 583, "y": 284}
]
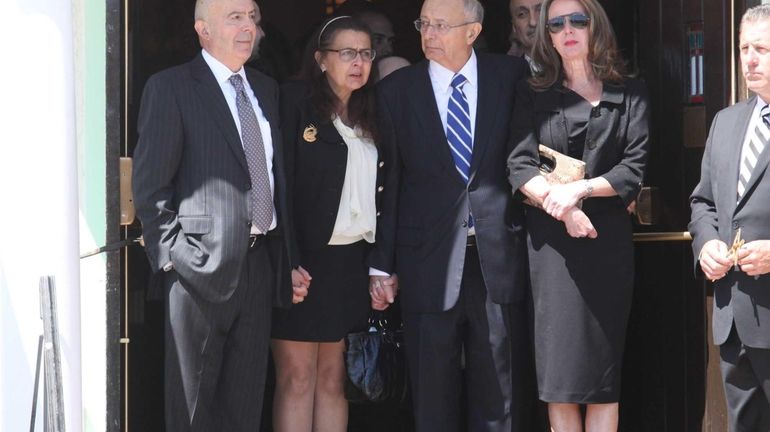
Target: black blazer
[
  {"x": 616, "y": 142},
  {"x": 422, "y": 234},
  {"x": 315, "y": 169},
  {"x": 717, "y": 214},
  {"x": 191, "y": 180}
]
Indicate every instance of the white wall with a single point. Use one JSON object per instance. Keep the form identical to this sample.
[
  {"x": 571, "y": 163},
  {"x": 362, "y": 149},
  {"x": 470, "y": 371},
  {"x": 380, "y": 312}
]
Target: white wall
[{"x": 38, "y": 191}]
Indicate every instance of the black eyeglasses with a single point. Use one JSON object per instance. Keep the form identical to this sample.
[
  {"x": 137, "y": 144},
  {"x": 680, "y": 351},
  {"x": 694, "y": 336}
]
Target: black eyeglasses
[
  {"x": 349, "y": 54},
  {"x": 576, "y": 19}
]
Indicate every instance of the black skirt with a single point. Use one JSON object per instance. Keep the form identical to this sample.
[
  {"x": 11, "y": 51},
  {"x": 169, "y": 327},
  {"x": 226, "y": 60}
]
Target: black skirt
[{"x": 337, "y": 301}]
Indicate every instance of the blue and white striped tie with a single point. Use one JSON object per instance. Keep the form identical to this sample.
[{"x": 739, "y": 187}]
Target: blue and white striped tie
[{"x": 458, "y": 127}]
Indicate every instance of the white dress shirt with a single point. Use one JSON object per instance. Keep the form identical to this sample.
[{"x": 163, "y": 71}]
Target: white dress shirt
[
  {"x": 222, "y": 74},
  {"x": 357, "y": 214}
]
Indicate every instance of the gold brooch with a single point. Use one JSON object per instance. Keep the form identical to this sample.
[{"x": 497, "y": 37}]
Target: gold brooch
[{"x": 310, "y": 132}]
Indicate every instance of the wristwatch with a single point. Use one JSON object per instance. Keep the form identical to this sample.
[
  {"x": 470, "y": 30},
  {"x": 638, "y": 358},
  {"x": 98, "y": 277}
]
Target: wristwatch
[{"x": 589, "y": 189}]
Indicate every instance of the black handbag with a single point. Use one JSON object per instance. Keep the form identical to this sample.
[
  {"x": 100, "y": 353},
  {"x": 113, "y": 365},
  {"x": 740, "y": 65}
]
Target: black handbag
[{"x": 375, "y": 362}]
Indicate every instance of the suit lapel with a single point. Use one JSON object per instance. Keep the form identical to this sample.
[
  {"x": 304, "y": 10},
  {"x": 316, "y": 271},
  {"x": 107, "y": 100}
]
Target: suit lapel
[
  {"x": 733, "y": 154},
  {"x": 486, "y": 102},
  {"x": 759, "y": 169},
  {"x": 426, "y": 111},
  {"x": 212, "y": 97},
  {"x": 264, "y": 98}
]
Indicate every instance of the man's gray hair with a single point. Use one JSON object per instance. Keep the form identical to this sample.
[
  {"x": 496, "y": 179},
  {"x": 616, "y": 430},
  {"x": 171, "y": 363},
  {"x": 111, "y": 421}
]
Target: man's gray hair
[
  {"x": 474, "y": 11},
  {"x": 756, "y": 13},
  {"x": 201, "y": 9}
]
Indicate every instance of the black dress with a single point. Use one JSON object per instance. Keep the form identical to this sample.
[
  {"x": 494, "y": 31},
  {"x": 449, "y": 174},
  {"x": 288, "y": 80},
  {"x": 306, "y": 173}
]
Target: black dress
[
  {"x": 581, "y": 287},
  {"x": 316, "y": 156}
]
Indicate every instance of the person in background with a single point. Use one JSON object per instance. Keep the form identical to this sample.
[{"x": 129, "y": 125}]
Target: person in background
[
  {"x": 730, "y": 225},
  {"x": 451, "y": 231},
  {"x": 382, "y": 32},
  {"x": 273, "y": 56},
  {"x": 329, "y": 127},
  {"x": 524, "y": 17},
  {"x": 390, "y": 64},
  {"x": 382, "y": 42},
  {"x": 210, "y": 192},
  {"x": 581, "y": 254}
]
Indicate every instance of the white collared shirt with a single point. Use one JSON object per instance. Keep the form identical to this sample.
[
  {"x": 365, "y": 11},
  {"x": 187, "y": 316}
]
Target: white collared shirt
[
  {"x": 441, "y": 80},
  {"x": 222, "y": 74}
]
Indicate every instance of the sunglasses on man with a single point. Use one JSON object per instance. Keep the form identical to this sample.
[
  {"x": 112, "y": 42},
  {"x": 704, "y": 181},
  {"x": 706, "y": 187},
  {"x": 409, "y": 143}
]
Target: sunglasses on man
[{"x": 576, "y": 20}]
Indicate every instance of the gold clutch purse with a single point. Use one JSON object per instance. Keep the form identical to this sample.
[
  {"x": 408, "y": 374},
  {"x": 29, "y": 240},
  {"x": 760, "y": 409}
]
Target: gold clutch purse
[{"x": 558, "y": 168}]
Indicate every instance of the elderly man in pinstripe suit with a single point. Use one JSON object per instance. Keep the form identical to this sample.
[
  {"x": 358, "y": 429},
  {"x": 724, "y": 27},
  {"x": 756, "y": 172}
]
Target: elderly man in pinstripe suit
[{"x": 209, "y": 190}]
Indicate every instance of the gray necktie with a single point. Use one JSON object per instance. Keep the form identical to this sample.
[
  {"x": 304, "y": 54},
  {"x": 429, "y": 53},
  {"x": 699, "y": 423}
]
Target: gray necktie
[
  {"x": 757, "y": 143},
  {"x": 261, "y": 203}
]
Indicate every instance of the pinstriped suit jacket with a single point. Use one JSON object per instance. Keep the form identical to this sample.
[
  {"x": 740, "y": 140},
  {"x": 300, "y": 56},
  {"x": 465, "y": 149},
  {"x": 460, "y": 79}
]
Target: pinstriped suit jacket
[{"x": 191, "y": 180}]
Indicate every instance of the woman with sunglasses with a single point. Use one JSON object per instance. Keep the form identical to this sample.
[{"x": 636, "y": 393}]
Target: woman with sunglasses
[
  {"x": 328, "y": 125},
  {"x": 580, "y": 104}
]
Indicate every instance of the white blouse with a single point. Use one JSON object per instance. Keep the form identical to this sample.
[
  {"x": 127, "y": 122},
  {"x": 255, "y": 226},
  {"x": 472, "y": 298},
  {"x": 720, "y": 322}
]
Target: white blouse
[{"x": 357, "y": 214}]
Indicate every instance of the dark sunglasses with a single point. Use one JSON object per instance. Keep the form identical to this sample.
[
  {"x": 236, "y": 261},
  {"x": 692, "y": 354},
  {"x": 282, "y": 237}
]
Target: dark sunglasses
[{"x": 576, "y": 19}]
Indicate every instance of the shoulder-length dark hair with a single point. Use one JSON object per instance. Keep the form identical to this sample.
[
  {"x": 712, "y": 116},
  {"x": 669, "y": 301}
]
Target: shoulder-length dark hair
[
  {"x": 362, "y": 104},
  {"x": 603, "y": 54}
]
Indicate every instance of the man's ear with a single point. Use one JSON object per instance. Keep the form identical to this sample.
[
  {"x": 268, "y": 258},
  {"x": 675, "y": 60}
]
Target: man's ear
[
  {"x": 202, "y": 29},
  {"x": 473, "y": 32}
]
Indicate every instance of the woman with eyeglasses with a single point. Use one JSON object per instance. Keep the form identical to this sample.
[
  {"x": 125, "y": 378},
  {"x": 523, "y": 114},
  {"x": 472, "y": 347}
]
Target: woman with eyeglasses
[
  {"x": 332, "y": 165},
  {"x": 580, "y": 104}
]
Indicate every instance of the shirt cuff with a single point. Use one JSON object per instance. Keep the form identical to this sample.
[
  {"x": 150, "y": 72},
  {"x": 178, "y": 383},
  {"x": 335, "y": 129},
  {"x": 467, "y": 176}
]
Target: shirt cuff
[{"x": 374, "y": 272}]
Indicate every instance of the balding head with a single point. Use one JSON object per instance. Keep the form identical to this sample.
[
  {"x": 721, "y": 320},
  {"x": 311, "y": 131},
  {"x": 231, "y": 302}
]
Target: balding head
[
  {"x": 228, "y": 29},
  {"x": 452, "y": 46}
]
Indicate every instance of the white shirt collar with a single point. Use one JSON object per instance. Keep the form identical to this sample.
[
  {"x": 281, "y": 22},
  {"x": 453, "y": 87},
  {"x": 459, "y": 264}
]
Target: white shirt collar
[
  {"x": 443, "y": 76},
  {"x": 221, "y": 72},
  {"x": 760, "y": 104}
]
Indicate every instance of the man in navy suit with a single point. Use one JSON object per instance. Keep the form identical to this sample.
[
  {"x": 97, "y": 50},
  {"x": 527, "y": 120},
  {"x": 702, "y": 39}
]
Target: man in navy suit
[
  {"x": 733, "y": 197},
  {"x": 209, "y": 191},
  {"x": 451, "y": 231}
]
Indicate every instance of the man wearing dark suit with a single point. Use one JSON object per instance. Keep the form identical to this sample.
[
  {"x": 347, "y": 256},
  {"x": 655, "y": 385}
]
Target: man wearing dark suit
[
  {"x": 450, "y": 229},
  {"x": 734, "y": 196},
  {"x": 208, "y": 187}
]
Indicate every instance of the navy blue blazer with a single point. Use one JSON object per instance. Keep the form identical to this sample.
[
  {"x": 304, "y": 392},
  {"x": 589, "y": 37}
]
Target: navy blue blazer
[
  {"x": 423, "y": 229},
  {"x": 315, "y": 170}
]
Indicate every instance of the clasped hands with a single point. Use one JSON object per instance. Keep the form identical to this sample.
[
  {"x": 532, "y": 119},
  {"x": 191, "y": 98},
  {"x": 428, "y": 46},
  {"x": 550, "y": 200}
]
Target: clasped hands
[
  {"x": 383, "y": 290},
  {"x": 561, "y": 202},
  {"x": 753, "y": 258},
  {"x": 300, "y": 283}
]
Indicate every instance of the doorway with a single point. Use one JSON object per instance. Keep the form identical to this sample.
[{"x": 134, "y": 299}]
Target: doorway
[{"x": 666, "y": 358}]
